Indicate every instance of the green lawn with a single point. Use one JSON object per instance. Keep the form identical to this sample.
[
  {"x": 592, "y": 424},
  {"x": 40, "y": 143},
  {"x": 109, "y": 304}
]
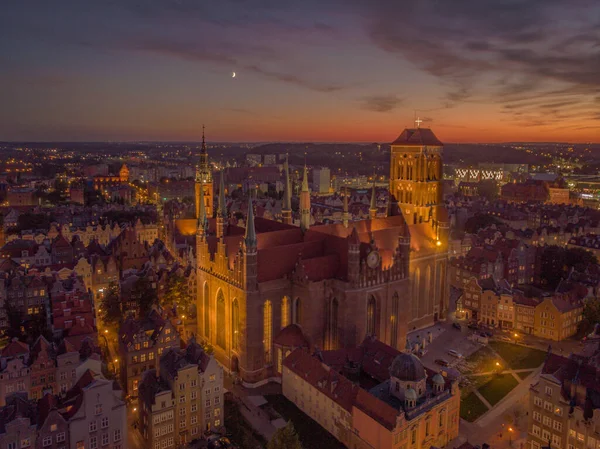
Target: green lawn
[
  {"x": 498, "y": 387},
  {"x": 482, "y": 360},
  {"x": 518, "y": 357},
  {"x": 311, "y": 434},
  {"x": 478, "y": 381},
  {"x": 524, "y": 374},
  {"x": 471, "y": 407}
]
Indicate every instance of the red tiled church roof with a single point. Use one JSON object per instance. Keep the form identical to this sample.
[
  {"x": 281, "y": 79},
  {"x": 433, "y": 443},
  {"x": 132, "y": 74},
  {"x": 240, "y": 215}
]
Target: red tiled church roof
[{"x": 417, "y": 137}]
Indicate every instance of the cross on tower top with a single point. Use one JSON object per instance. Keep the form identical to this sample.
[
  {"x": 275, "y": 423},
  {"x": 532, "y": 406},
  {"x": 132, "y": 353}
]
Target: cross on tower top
[{"x": 418, "y": 122}]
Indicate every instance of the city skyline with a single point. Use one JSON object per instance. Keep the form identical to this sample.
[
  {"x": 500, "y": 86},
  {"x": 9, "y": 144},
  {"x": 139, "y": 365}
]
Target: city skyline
[{"x": 317, "y": 71}]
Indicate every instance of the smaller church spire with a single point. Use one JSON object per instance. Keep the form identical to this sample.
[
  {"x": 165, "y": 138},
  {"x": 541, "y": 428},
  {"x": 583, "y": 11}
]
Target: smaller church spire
[
  {"x": 345, "y": 214},
  {"x": 202, "y": 224},
  {"x": 305, "y": 203},
  {"x": 305, "y": 180},
  {"x": 250, "y": 237},
  {"x": 373, "y": 208}
]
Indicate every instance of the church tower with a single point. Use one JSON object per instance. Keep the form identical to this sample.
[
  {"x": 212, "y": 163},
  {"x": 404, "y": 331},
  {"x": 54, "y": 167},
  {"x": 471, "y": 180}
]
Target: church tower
[
  {"x": 204, "y": 181},
  {"x": 416, "y": 174},
  {"x": 305, "y": 203}
]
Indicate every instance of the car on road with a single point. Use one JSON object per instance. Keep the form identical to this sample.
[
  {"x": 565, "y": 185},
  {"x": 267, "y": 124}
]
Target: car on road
[
  {"x": 473, "y": 326},
  {"x": 442, "y": 362},
  {"x": 456, "y": 326},
  {"x": 422, "y": 352},
  {"x": 455, "y": 353}
]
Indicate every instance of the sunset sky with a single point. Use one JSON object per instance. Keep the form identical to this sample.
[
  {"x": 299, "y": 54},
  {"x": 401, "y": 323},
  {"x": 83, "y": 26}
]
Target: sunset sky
[{"x": 306, "y": 70}]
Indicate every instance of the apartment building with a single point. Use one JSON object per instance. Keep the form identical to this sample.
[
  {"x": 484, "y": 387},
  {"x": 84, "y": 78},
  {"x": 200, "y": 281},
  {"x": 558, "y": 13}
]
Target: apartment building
[
  {"x": 564, "y": 404},
  {"x": 141, "y": 344},
  {"x": 184, "y": 400}
]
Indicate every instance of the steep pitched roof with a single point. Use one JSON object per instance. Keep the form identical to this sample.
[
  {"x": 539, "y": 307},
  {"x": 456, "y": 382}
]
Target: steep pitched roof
[{"x": 417, "y": 137}]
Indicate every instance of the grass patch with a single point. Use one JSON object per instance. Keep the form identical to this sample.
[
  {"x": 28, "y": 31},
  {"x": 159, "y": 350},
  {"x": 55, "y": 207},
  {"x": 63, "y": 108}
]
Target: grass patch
[
  {"x": 478, "y": 381},
  {"x": 471, "y": 407},
  {"x": 518, "y": 357},
  {"x": 522, "y": 375},
  {"x": 498, "y": 387},
  {"x": 481, "y": 361},
  {"x": 311, "y": 434}
]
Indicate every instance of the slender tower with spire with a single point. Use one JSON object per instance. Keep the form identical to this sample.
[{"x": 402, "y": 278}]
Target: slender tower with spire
[
  {"x": 373, "y": 208},
  {"x": 305, "y": 203},
  {"x": 204, "y": 181},
  {"x": 202, "y": 221},
  {"x": 221, "y": 209},
  {"x": 250, "y": 250},
  {"x": 345, "y": 214},
  {"x": 286, "y": 209}
]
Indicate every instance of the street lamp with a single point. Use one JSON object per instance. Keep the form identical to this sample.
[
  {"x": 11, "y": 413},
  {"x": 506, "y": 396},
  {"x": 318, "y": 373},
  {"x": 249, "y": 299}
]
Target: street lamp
[{"x": 510, "y": 430}]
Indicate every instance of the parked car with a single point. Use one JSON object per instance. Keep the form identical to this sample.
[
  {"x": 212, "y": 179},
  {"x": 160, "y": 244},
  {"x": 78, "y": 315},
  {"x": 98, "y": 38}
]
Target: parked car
[
  {"x": 456, "y": 326},
  {"x": 474, "y": 326},
  {"x": 488, "y": 333},
  {"x": 454, "y": 353},
  {"x": 422, "y": 352},
  {"x": 442, "y": 362}
]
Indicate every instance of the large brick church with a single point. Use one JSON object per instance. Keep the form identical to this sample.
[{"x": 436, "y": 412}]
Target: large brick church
[{"x": 271, "y": 286}]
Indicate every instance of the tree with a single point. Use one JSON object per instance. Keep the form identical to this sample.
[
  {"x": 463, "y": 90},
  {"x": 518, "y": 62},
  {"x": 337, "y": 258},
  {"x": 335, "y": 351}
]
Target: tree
[
  {"x": 144, "y": 294},
  {"x": 488, "y": 189},
  {"x": 176, "y": 292},
  {"x": 591, "y": 316},
  {"x": 557, "y": 262},
  {"x": 110, "y": 310},
  {"x": 285, "y": 438}
]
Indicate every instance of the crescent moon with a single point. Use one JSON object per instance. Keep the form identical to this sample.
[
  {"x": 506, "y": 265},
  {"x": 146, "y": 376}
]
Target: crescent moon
[{"x": 233, "y": 74}]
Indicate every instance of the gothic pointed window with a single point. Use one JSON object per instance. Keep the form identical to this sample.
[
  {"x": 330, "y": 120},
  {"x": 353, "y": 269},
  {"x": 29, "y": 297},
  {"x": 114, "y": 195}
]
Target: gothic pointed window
[
  {"x": 415, "y": 300},
  {"x": 221, "y": 327},
  {"x": 371, "y": 315},
  {"x": 235, "y": 324},
  {"x": 285, "y": 312},
  {"x": 206, "y": 311},
  {"x": 394, "y": 320},
  {"x": 428, "y": 300},
  {"x": 332, "y": 324},
  {"x": 296, "y": 312},
  {"x": 268, "y": 331}
]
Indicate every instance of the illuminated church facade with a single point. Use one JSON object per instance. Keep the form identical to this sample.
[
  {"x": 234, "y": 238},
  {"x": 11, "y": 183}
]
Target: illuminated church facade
[{"x": 270, "y": 287}]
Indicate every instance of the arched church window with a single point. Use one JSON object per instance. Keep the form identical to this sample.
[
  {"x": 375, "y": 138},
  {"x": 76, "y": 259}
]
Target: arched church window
[
  {"x": 371, "y": 315},
  {"x": 206, "y": 311},
  {"x": 394, "y": 320},
  {"x": 221, "y": 326},
  {"x": 296, "y": 311},
  {"x": 235, "y": 324},
  {"x": 268, "y": 330},
  {"x": 285, "y": 311}
]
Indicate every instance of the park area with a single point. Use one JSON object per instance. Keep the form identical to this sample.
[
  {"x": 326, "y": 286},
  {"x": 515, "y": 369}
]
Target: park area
[{"x": 492, "y": 372}]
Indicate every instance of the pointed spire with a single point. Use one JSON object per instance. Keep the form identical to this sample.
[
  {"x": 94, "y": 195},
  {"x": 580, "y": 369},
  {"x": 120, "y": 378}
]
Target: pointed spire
[
  {"x": 345, "y": 214},
  {"x": 202, "y": 224},
  {"x": 373, "y": 208},
  {"x": 305, "y": 180},
  {"x": 305, "y": 203},
  {"x": 250, "y": 237},
  {"x": 222, "y": 210},
  {"x": 203, "y": 140}
]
